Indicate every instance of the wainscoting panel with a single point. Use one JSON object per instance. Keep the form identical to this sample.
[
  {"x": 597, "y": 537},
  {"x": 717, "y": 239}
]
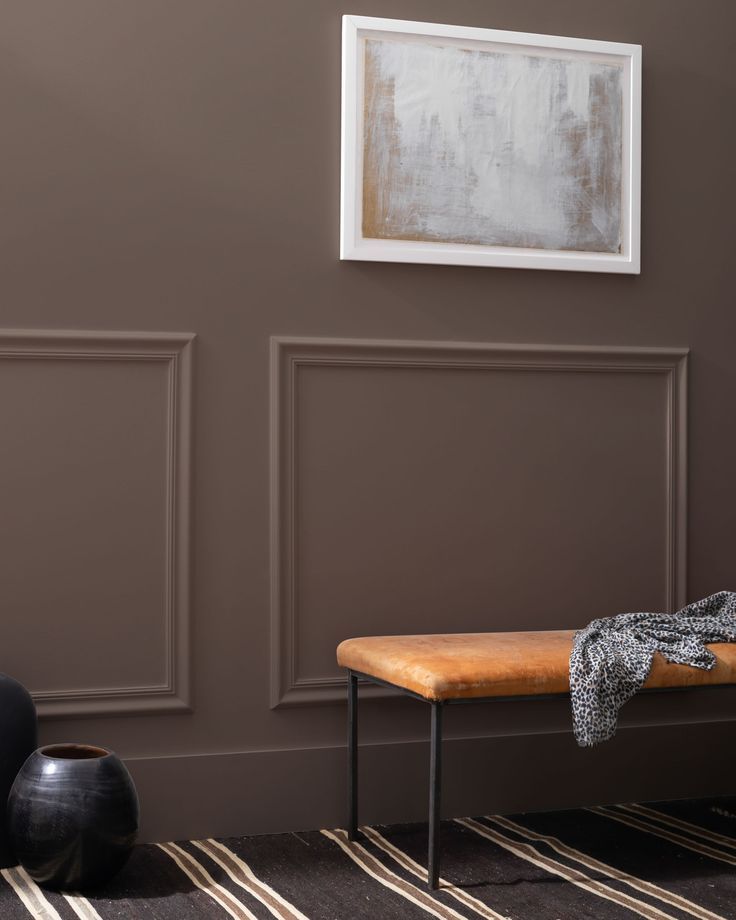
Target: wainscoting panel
[
  {"x": 449, "y": 487},
  {"x": 94, "y": 543}
]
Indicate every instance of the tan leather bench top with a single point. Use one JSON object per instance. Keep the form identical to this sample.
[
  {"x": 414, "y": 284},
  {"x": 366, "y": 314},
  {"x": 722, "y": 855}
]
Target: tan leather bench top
[{"x": 466, "y": 665}]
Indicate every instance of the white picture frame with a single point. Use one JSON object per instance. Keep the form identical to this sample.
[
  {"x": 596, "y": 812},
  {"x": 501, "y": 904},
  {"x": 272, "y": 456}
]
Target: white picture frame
[{"x": 521, "y": 231}]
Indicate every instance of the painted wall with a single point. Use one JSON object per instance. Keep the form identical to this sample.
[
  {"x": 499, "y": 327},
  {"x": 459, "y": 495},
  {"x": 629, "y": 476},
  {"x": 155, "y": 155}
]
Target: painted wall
[{"x": 172, "y": 168}]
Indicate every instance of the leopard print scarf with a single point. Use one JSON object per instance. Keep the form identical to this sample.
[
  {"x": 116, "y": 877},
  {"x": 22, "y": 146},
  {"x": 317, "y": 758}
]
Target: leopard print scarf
[{"x": 612, "y": 656}]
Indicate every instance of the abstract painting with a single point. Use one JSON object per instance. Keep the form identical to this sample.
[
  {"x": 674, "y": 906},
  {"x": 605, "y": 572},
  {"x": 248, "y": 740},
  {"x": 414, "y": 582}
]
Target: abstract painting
[{"x": 482, "y": 150}]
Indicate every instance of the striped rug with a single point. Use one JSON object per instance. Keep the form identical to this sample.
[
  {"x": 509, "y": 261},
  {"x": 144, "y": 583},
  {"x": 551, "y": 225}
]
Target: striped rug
[{"x": 663, "y": 861}]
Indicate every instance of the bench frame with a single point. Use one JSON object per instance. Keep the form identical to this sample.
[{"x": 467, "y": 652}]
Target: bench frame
[{"x": 435, "y": 752}]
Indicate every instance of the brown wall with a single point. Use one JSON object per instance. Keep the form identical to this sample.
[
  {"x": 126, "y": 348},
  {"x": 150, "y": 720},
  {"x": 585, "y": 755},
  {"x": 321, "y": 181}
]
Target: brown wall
[{"x": 173, "y": 168}]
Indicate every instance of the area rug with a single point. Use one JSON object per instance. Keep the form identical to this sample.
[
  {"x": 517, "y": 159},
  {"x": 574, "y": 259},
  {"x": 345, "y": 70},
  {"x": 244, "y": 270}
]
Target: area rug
[{"x": 662, "y": 861}]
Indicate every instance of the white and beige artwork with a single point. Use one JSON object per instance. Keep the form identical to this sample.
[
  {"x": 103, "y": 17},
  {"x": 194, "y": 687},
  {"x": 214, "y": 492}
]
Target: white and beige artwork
[{"x": 491, "y": 148}]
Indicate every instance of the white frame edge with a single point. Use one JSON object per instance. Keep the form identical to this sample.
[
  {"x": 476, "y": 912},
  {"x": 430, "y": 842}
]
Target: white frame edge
[{"x": 354, "y": 247}]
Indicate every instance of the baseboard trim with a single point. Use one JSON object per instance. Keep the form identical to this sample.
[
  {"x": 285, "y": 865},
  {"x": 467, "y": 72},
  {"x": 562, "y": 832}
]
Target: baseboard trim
[{"x": 192, "y": 796}]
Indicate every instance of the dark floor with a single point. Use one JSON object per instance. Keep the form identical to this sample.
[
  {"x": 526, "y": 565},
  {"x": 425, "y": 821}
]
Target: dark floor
[{"x": 664, "y": 861}]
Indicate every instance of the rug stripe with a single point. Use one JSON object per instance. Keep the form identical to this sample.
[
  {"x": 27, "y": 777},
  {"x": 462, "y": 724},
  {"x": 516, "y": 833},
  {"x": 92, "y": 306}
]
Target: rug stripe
[
  {"x": 362, "y": 858},
  {"x": 576, "y": 877},
  {"x": 695, "y": 829},
  {"x": 406, "y": 862},
  {"x": 677, "y": 839},
  {"x": 675, "y": 900},
  {"x": 81, "y": 906},
  {"x": 203, "y": 880},
  {"x": 81, "y": 909},
  {"x": 11, "y": 906},
  {"x": 31, "y": 895},
  {"x": 242, "y": 874}
]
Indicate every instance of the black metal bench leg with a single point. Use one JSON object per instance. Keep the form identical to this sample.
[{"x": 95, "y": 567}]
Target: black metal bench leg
[
  {"x": 435, "y": 797},
  {"x": 352, "y": 756}
]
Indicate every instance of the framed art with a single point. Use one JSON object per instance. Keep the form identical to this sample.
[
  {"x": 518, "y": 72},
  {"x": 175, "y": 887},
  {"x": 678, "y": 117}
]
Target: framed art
[{"x": 468, "y": 146}]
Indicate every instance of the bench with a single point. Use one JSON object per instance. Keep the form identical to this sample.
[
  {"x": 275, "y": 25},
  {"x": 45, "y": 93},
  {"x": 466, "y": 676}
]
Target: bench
[{"x": 481, "y": 667}]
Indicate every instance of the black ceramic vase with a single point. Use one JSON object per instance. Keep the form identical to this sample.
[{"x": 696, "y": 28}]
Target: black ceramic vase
[
  {"x": 17, "y": 742},
  {"x": 72, "y": 816}
]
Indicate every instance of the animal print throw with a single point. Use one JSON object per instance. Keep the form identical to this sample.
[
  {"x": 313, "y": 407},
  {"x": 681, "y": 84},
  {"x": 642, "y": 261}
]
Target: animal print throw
[{"x": 612, "y": 656}]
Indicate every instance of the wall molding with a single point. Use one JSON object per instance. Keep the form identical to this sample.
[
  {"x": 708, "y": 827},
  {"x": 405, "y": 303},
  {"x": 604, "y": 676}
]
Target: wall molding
[
  {"x": 221, "y": 808},
  {"x": 174, "y": 350},
  {"x": 288, "y": 354}
]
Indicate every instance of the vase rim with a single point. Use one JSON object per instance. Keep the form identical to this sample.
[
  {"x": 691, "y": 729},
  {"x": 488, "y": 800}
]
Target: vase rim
[{"x": 70, "y": 751}]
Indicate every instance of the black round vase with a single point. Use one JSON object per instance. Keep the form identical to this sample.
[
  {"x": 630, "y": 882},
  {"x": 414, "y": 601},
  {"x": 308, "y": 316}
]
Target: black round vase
[
  {"x": 17, "y": 741},
  {"x": 72, "y": 816}
]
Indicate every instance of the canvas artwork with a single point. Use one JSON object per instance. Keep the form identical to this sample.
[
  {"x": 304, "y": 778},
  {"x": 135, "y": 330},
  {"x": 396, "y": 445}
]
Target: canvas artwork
[{"x": 489, "y": 151}]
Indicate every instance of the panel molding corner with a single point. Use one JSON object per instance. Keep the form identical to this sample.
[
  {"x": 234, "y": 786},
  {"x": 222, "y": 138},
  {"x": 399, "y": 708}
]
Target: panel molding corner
[
  {"x": 288, "y": 354},
  {"x": 174, "y": 351}
]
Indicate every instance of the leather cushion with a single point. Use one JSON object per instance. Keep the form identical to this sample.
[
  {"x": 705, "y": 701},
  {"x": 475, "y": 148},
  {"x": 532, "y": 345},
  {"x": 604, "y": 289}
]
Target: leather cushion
[{"x": 467, "y": 665}]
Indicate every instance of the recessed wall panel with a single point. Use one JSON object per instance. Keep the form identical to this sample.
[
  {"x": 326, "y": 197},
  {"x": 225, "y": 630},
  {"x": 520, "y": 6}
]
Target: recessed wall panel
[
  {"x": 91, "y": 543},
  {"x": 429, "y": 489}
]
